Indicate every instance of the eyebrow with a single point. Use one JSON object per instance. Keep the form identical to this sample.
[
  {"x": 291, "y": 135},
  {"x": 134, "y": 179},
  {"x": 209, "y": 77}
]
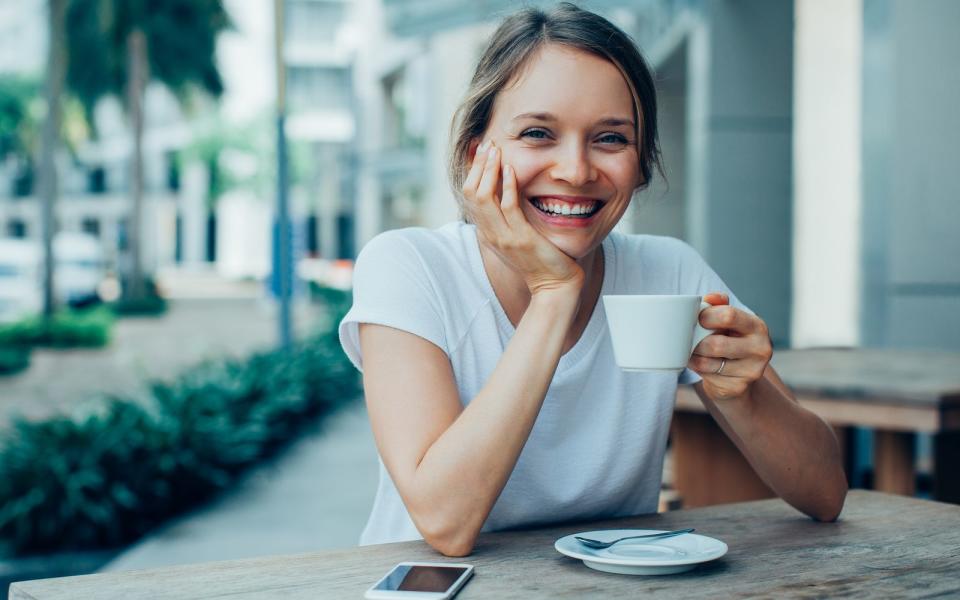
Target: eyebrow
[{"x": 544, "y": 116}]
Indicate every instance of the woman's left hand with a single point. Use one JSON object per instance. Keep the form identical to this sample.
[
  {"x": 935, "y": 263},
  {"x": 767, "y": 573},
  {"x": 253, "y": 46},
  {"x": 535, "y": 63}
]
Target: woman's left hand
[{"x": 732, "y": 358}]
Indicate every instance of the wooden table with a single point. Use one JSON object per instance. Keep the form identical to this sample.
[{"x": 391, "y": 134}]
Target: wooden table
[
  {"x": 894, "y": 392},
  {"x": 883, "y": 546}
]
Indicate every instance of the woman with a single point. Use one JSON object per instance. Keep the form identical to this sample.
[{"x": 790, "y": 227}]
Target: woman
[{"x": 489, "y": 378}]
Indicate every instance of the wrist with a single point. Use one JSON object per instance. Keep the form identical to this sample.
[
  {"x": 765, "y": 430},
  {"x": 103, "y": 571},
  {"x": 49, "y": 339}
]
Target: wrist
[
  {"x": 738, "y": 402},
  {"x": 559, "y": 300}
]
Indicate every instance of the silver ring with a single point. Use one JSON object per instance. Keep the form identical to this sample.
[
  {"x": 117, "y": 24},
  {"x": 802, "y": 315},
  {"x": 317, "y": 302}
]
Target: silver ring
[{"x": 723, "y": 363}]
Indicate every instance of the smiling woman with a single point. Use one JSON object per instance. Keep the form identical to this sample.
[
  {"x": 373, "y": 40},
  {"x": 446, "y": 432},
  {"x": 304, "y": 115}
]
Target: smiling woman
[{"x": 489, "y": 377}]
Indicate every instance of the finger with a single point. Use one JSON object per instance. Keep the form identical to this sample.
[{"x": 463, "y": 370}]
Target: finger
[
  {"x": 708, "y": 366},
  {"x": 720, "y": 346},
  {"x": 476, "y": 170},
  {"x": 510, "y": 202},
  {"x": 490, "y": 178},
  {"x": 716, "y": 298},
  {"x": 729, "y": 318}
]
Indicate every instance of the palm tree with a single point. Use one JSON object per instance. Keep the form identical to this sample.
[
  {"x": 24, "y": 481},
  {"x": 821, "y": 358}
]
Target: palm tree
[
  {"x": 117, "y": 46},
  {"x": 50, "y": 142}
]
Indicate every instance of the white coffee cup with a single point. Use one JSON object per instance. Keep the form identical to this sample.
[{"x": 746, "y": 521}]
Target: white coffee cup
[{"x": 655, "y": 333}]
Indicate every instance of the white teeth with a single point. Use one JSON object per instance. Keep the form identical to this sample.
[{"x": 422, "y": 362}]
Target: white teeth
[{"x": 566, "y": 209}]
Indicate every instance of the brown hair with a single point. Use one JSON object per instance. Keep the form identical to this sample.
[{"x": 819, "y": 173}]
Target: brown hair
[{"x": 519, "y": 36}]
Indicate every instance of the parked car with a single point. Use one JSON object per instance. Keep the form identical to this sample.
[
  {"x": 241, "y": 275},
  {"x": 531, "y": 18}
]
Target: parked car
[
  {"x": 80, "y": 269},
  {"x": 21, "y": 278}
]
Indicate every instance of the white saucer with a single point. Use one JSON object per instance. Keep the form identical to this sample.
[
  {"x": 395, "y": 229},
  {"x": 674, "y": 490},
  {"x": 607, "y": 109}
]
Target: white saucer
[{"x": 643, "y": 557}]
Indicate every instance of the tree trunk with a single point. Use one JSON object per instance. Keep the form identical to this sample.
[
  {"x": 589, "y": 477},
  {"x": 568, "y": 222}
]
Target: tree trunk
[
  {"x": 136, "y": 83},
  {"x": 50, "y": 142}
]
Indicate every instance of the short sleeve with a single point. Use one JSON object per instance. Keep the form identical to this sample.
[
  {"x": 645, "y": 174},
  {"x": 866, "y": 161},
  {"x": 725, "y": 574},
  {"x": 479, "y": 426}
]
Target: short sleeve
[
  {"x": 392, "y": 286},
  {"x": 697, "y": 276}
]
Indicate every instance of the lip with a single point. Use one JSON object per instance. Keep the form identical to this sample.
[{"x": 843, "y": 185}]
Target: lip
[{"x": 563, "y": 221}]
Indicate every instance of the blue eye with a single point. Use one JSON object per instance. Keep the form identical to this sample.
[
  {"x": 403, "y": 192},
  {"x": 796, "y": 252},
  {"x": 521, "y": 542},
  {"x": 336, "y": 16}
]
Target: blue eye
[
  {"x": 537, "y": 134},
  {"x": 613, "y": 138}
]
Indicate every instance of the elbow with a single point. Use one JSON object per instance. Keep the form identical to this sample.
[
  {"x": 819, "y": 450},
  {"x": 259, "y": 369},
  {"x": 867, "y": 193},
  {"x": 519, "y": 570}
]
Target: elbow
[
  {"x": 452, "y": 548},
  {"x": 831, "y": 506},
  {"x": 451, "y": 538}
]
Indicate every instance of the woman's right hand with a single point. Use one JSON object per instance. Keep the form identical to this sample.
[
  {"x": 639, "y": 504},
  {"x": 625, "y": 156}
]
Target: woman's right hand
[{"x": 502, "y": 226}]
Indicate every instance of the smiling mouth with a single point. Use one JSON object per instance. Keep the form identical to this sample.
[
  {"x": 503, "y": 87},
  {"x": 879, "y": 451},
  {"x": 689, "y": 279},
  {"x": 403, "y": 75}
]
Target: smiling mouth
[{"x": 581, "y": 209}]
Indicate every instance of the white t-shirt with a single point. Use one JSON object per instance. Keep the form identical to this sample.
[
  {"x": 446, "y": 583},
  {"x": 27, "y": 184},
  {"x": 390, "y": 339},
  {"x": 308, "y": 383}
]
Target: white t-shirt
[{"x": 597, "y": 447}]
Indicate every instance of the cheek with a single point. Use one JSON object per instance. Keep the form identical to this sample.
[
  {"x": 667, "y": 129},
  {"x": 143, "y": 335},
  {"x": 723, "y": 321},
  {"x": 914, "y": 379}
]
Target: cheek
[
  {"x": 623, "y": 171},
  {"x": 526, "y": 163}
]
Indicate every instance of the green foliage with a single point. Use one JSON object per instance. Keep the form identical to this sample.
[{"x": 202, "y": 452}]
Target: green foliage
[
  {"x": 106, "y": 479},
  {"x": 181, "y": 45},
  {"x": 66, "y": 329},
  {"x": 150, "y": 306},
  {"x": 19, "y": 118},
  {"x": 339, "y": 300},
  {"x": 13, "y": 359},
  {"x": 153, "y": 304}
]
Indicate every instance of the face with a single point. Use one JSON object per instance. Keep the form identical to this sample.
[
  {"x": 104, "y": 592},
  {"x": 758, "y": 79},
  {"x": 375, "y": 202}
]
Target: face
[{"x": 566, "y": 126}]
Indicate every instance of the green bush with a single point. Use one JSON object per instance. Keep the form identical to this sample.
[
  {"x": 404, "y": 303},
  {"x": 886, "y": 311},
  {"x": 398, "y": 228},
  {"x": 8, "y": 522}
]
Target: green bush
[
  {"x": 338, "y": 300},
  {"x": 66, "y": 329},
  {"x": 151, "y": 305},
  {"x": 106, "y": 479},
  {"x": 13, "y": 359}
]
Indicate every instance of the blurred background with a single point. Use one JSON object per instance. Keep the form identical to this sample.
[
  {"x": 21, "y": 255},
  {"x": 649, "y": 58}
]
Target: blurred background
[{"x": 184, "y": 185}]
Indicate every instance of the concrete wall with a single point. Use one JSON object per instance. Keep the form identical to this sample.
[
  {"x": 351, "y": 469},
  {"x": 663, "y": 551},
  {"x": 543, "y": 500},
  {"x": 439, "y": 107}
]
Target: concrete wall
[
  {"x": 740, "y": 152},
  {"x": 911, "y": 191},
  {"x": 827, "y": 165}
]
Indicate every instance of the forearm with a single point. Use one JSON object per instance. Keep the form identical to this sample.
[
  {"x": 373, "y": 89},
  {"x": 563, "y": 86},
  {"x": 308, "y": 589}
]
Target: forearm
[
  {"x": 463, "y": 472},
  {"x": 791, "y": 449}
]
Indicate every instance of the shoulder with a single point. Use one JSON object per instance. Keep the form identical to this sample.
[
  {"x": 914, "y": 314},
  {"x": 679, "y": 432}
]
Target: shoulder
[
  {"x": 412, "y": 246},
  {"x": 655, "y": 249},
  {"x": 413, "y": 240}
]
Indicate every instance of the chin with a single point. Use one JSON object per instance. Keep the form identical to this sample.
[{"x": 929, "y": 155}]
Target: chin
[{"x": 575, "y": 249}]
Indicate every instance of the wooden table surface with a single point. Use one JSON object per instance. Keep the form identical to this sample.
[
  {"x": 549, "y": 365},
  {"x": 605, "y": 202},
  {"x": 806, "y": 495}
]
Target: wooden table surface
[
  {"x": 883, "y": 546},
  {"x": 895, "y": 393},
  {"x": 915, "y": 377}
]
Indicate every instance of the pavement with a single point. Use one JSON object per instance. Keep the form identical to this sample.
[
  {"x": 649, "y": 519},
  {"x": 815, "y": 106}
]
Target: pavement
[
  {"x": 316, "y": 496},
  {"x": 144, "y": 348}
]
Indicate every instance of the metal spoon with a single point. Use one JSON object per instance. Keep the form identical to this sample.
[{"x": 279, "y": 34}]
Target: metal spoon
[{"x": 600, "y": 545}]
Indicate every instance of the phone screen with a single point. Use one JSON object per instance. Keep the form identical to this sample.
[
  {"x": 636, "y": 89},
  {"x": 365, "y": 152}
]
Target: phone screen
[{"x": 420, "y": 578}]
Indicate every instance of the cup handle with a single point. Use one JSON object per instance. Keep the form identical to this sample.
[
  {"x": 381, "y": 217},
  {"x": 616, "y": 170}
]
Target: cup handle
[{"x": 700, "y": 332}]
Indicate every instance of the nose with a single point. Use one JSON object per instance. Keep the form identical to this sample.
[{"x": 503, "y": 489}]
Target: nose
[{"x": 573, "y": 165}]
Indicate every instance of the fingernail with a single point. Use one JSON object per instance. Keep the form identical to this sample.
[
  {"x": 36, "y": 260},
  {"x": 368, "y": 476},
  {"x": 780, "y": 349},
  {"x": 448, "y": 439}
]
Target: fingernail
[
  {"x": 507, "y": 170},
  {"x": 483, "y": 146},
  {"x": 492, "y": 151}
]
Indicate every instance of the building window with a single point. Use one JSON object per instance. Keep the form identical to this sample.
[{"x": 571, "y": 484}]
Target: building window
[
  {"x": 97, "y": 180},
  {"x": 404, "y": 106},
  {"x": 91, "y": 225},
  {"x": 312, "y": 21},
  {"x": 173, "y": 172},
  {"x": 17, "y": 228},
  {"x": 319, "y": 88}
]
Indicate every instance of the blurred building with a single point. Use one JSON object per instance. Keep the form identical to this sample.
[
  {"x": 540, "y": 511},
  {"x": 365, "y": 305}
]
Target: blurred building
[
  {"x": 189, "y": 221},
  {"x": 94, "y": 176},
  {"x": 807, "y": 146},
  {"x": 320, "y": 104}
]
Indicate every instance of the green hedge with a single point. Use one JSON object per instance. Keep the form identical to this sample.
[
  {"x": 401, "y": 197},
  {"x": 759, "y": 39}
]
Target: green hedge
[
  {"x": 151, "y": 305},
  {"x": 108, "y": 478},
  {"x": 13, "y": 359},
  {"x": 66, "y": 329}
]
